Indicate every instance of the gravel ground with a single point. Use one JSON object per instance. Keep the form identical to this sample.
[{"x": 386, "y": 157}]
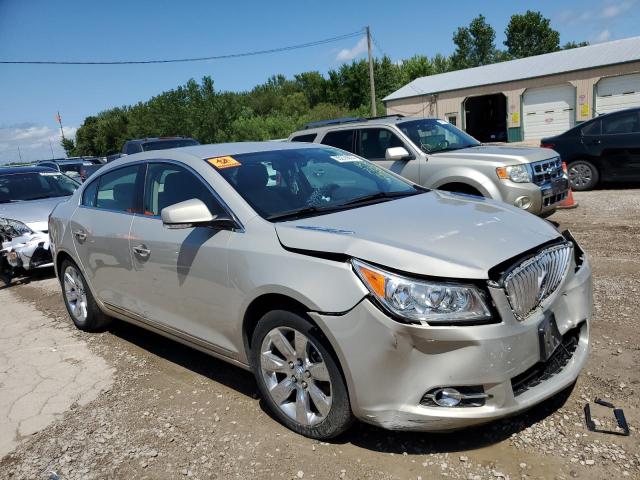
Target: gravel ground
[{"x": 172, "y": 412}]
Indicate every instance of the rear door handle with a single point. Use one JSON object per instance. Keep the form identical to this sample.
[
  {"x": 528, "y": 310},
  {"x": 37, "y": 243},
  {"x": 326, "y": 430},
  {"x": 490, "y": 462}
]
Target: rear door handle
[
  {"x": 81, "y": 235},
  {"x": 142, "y": 251}
]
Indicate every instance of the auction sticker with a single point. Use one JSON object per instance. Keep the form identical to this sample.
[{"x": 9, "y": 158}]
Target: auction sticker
[
  {"x": 345, "y": 158},
  {"x": 223, "y": 162}
]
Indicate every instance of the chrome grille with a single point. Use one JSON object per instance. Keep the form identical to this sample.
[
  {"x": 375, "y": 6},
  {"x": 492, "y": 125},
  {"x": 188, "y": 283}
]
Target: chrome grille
[
  {"x": 530, "y": 282},
  {"x": 547, "y": 170}
]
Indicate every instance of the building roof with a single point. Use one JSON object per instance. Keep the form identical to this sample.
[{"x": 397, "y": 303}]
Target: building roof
[{"x": 592, "y": 56}]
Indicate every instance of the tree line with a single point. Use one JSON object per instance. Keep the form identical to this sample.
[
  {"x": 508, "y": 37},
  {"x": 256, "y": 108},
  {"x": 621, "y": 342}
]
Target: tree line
[{"x": 281, "y": 105}]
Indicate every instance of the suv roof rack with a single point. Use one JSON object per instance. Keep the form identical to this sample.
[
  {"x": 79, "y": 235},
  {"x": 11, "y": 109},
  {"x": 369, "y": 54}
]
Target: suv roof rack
[{"x": 338, "y": 121}]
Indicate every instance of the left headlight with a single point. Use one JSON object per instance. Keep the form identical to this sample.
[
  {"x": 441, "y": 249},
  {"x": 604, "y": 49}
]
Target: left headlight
[
  {"x": 422, "y": 301},
  {"x": 515, "y": 173}
]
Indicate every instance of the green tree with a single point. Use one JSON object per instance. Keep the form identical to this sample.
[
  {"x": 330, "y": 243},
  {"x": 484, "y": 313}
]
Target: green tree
[
  {"x": 475, "y": 44},
  {"x": 530, "y": 34},
  {"x": 570, "y": 45},
  {"x": 69, "y": 146}
]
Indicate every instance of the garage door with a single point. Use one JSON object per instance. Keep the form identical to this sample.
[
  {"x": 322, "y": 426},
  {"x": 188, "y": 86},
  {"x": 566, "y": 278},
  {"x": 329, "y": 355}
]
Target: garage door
[
  {"x": 548, "y": 111},
  {"x": 617, "y": 93}
]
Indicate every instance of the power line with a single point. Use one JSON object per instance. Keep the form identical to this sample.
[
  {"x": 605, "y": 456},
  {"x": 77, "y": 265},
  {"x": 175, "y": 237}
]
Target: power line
[{"x": 184, "y": 60}]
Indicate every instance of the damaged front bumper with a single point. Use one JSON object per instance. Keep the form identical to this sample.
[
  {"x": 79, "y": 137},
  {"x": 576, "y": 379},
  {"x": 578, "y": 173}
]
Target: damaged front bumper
[
  {"x": 22, "y": 248},
  {"x": 391, "y": 367}
]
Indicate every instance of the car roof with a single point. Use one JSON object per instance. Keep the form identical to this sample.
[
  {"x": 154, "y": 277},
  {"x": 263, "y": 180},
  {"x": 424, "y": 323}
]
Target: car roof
[
  {"x": 347, "y": 123},
  {"x": 157, "y": 139},
  {"x": 25, "y": 169}
]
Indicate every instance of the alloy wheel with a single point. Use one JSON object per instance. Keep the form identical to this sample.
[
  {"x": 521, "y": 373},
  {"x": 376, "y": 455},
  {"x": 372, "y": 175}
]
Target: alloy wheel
[
  {"x": 296, "y": 376},
  {"x": 74, "y": 293},
  {"x": 580, "y": 175}
]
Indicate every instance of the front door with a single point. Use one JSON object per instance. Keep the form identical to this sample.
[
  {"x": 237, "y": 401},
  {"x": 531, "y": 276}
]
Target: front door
[
  {"x": 620, "y": 146},
  {"x": 100, "y": 227},
  {"x": 181, "y": 282},
  {"x": 372, "y": 144}
]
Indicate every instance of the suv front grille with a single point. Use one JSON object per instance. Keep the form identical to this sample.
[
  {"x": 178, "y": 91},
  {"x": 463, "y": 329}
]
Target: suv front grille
[
  {"x": 547, "y": 170},
  {"x": 536, "y": 278},
  {"x": 542, "y": 371}
]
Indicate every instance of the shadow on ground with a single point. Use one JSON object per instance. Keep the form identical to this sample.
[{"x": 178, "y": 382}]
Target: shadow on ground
[
  {"x": 360, "y": 434},
  {"x": 28, "y": 277}
]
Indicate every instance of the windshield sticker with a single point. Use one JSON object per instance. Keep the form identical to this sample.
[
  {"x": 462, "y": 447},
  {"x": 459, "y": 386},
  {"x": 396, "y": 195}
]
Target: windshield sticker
[
  {"x": 442, "y": 122},
  {"x": 345, "y": 158},
  {"x": 49, "y": 174},
  {"x": 223, "y": 162}
]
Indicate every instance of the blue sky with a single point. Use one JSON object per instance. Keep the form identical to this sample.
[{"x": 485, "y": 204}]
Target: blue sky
[{"x": 113, "y": 30}]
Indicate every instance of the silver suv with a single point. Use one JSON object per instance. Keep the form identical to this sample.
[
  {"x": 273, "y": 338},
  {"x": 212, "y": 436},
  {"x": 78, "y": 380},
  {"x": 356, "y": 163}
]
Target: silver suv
[
  {"x": 433, "y": 153},
  {"x": 347, "y": 290}
]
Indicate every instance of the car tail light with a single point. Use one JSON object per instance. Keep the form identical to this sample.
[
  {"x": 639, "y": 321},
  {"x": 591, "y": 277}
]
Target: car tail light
[{"x": 548, "y": 145}]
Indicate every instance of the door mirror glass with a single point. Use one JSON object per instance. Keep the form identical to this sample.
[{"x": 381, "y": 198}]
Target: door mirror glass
[
  {"x": 186, "y": 214},
  {"x": 396, "y": 153}
]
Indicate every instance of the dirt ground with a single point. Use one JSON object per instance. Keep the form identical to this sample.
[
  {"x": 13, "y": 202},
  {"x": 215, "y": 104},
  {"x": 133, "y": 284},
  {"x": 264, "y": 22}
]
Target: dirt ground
[{"x": 171, "y": 412}]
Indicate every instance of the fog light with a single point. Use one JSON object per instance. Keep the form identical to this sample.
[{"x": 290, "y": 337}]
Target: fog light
[
  {"x": 522, "y": 202},
  {"x": 447, "y": 397}
]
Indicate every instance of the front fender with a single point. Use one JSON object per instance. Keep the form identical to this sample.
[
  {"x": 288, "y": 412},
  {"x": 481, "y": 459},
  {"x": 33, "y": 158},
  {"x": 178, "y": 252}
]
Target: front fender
[{"x": 467, "y": 176}]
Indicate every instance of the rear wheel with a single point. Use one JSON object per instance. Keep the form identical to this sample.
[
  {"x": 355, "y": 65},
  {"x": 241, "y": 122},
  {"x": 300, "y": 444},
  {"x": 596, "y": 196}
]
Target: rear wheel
[
  {"x": 298, "y": 377},
  {"x": 78, "y": 299},
  {"x": 583, "y": 175}
]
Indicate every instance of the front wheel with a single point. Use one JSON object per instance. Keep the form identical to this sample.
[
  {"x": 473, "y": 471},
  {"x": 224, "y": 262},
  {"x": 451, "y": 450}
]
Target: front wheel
[
  {"x": 298, "y": 377},
  {"x": 78, "y": 299},
  {"x": 583, "y": 175}
]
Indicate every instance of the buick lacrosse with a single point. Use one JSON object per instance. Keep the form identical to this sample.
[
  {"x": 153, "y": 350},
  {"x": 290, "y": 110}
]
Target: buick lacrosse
[{"x": 348, "y": 291}]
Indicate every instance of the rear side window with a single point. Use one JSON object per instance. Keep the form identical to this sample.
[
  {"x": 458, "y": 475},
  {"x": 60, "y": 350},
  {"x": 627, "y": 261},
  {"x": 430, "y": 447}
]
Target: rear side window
[
  {"x": 309, "y": 137},
  {"x": 373, "y": 143},
  {"x": 340, "y": 139},
  {"x": 592, "y": 129},
  {"x": 167, "y": 184},
  {"x": 625, "y": 123},
  {"x": 131, "y": 148},
  {"x": 89, "y": 194},
  {"x": 117, "y": 190}
]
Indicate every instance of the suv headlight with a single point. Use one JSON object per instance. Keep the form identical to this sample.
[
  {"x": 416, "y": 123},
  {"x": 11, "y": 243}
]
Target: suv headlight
[
  {"x": 515, "y": 173},
  {"x": 422, "y": 301}
]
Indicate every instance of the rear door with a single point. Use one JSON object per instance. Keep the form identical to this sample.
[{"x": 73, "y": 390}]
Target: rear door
[
  {"x": 100, "y": 229},
  {"x": 180, "y": 275},
  {"x": 620, "y": 146}
]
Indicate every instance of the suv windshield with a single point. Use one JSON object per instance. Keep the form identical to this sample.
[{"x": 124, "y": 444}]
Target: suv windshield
[
  {"x": 434, "y": 135},
  {"x": 18, "y": 187},
  {"x": 286, "y": 184},
  {"x": 166, "y": 144}
]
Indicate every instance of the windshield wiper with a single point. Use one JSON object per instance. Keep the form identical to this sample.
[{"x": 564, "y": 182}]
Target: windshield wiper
[
  {"x": 300, "y": 212},
  {"x": 381, "y": 195}
]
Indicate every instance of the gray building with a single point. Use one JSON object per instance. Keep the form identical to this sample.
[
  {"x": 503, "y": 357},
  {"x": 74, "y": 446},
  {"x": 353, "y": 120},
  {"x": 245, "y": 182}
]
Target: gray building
[{"x": 528, "y": 98}]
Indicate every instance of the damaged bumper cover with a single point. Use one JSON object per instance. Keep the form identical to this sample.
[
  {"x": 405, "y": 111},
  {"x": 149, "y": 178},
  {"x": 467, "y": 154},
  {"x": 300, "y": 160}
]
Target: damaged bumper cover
[
  {"x": 391, "y": 367},
  {"x": 21, "y": 247}
]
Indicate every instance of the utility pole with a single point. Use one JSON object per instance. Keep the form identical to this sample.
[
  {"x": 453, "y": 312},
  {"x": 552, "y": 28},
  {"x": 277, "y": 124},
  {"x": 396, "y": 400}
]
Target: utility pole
[
  {"x": 19, "y": 154},
  {"x": 51, "y": 147},
  {"x": 59, "y": 119},
  {"x": 372, "y": 82}
]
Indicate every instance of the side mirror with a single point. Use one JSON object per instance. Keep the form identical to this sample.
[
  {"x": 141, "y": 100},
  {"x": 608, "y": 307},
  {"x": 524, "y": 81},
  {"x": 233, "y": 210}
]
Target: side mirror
[
  {"x": 396, "y": 153},
  {"x": 186, "y": 214}
]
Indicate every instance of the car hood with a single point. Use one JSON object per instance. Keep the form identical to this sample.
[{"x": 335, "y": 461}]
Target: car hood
[
  {"x": 437, "y": 234},
  {"x": 496, "y": 153},
  {"x": 35, "y": 213}
]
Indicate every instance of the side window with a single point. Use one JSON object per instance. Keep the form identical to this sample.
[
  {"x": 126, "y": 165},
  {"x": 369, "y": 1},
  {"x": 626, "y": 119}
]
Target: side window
[
  {"x": 625, "y": 123},
  {"x": 373, "y": 143},
  {"x": 592, "y": 129},
  {"x": 89, "y": 194},
  {"x": 167, "y": 184},
  {"x": 340, "y": 139},
  {"x": 117, "y": 189},
  {"x": 309, "y": 137},
  {"x": 132, "y": 148}
]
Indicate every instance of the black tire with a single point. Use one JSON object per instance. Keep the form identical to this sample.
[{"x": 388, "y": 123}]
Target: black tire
[
  {"x": 583, "y": 175},
  {"x": 95, "y": 319},
  {"x": 461, "y": 188},
  {"x": 340, "y": 416}
]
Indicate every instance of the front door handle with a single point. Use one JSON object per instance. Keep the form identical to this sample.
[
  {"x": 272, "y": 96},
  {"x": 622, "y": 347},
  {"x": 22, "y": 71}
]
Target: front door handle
[
  {"x": 142, "y": 251},
  {"x": 81, "y": 235}
]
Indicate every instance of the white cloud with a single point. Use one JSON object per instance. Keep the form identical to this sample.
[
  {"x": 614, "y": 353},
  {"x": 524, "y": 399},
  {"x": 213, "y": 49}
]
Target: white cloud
[
  {"x": 603, "y": 36},
  {"x": 348, "y": 54},
  {"x": 614, "y": 9},
  {"x": 33, "y": 142}
]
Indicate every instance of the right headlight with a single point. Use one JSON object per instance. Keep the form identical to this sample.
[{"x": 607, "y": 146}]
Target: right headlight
[
  {"x": 515, "y": 173},
  {"x": 423, "y": 301}
]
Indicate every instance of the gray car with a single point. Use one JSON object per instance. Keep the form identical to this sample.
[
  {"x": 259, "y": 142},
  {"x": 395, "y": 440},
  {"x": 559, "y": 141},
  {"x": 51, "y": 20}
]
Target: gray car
[
  {"x": 436, "y": 154},
  {"x": 348, "y": 291}
]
